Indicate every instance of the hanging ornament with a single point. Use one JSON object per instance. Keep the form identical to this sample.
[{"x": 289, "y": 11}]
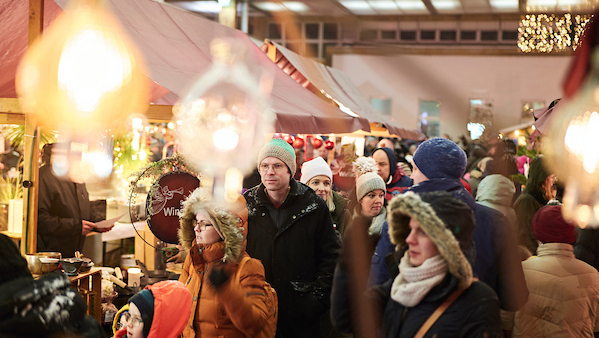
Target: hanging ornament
[
  {"x": 223, "y": 116},
  {"x": 298, "y": 142},
  {"x": 289, "y": 139},
  {"x": 571, "y": 146},
  {"x": 317, "y": 142},
  {"x": 329, "y": 145}
]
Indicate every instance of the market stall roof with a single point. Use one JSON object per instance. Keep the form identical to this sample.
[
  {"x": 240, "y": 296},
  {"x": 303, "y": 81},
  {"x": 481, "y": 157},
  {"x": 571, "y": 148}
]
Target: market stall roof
[
  {"x": 334, "y": 84},
  {"x": 176, "y": 48}
]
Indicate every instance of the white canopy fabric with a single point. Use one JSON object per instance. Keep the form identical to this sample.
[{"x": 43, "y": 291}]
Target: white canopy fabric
[
  {"x": 176, "y": 48},
  {"x": 338, "y": 86}
]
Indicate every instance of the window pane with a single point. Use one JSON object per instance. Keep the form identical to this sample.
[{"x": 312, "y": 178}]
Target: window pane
[
  {"x": 428, "y": 35},
  {"x": 330, "y": 31},
  {"x": 311, "y": 30},
  {"x": 274, "y": 31}
]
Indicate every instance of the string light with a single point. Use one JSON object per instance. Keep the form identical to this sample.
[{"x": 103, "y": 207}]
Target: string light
[{"x": 543, "y": 33}]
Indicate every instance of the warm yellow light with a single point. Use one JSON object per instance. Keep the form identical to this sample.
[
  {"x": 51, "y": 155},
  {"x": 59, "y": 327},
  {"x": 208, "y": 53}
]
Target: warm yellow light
[
  {"x": 83, "y": 76},
  {"x": 517, "y": 133}
]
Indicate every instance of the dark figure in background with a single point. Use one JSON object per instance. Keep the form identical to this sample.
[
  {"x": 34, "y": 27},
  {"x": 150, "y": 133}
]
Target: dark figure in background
[
  {"x": 64, "y": 211},
  {"x": 539, "y": 190},
  {"x": 39, "y": 308}
]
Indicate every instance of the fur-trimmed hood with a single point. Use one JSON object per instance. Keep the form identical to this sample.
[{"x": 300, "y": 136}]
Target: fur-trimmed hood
[
  {"x": 447, "y": 221},
  {"x": 229, "y": 222}
]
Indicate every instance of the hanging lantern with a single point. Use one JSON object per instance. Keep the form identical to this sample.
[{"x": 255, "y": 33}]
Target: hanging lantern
[
  {"x": 83, "y": 78},
  {"x": 84, "y": 74},
  {"x": 222, "y": 118},
  {"x": 571, "y": 146}
]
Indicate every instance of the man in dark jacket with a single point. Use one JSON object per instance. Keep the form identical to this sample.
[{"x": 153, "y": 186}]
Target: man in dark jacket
[
  {"x": 393, "y": 174},
  {"x": 290, "y": 231},
  {"x": 64, "y": 211},
  {"x": 438, "y": 165}
]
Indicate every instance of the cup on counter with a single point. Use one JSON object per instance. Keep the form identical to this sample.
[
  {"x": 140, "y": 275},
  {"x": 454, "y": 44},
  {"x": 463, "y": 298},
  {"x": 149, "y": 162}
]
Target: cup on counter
[{"x": 134, "y": 277}]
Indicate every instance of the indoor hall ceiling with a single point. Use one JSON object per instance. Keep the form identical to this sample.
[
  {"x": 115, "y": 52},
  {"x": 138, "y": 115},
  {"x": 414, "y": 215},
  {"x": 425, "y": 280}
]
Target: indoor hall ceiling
[{"x": 343, "y": 8}]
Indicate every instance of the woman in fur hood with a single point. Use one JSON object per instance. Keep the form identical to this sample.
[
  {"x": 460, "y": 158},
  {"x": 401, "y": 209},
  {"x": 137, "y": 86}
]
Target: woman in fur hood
[
  {"x": 225, "y": 302},
  {"x": 437, "y": 229}
]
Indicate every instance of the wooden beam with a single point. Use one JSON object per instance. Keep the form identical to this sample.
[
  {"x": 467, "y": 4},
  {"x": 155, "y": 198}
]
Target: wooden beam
[
  {"x": 159, "y": 113},
  {"x": 10, "y": 111},
  {"x": 32, "y": 145}
]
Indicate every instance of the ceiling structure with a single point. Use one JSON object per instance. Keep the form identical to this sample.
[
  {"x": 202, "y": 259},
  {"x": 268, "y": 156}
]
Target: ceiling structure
[{"x": 344, "y": 8}]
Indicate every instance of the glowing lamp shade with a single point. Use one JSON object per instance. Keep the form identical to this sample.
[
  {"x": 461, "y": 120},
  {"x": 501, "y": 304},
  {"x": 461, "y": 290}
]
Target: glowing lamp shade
[
  {"x": 83, "y": 75},
  {"x": 223, "y": 119},
  {"x": 572, "y": 148}
]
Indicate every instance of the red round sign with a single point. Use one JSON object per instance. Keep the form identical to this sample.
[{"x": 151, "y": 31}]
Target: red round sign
[{"x": 164, "y": 203}]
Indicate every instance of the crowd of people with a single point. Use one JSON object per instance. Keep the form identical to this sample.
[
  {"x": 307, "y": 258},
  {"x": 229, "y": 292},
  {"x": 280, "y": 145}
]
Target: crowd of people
[{"x": 436, "y": 239}]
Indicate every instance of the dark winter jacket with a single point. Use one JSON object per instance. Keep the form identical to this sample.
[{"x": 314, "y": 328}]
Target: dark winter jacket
[
  {"x": 299, "y": 254},
  {"x": 62, "y": 206},
  {"x": 341, "y": 216},
  {"x": 531, "y": 200},
  {"x": 475, "y": 313},
  {"x": 587, "y": 247},
  {"x": 45, "y": 307}
]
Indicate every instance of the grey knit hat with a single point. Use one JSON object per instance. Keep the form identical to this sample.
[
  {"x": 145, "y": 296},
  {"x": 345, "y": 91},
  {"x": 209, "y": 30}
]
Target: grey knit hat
[
  {"x": 367, "y": 183},
  {"x": 280, "y": 149}
]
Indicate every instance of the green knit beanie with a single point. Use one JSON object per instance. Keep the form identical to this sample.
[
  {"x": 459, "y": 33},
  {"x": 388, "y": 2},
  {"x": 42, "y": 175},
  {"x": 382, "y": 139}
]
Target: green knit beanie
[{"x": 280, "y": 149}]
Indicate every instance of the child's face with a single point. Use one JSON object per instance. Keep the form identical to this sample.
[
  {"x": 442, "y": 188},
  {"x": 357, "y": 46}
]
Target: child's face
[{"x": 135, "y": 325}]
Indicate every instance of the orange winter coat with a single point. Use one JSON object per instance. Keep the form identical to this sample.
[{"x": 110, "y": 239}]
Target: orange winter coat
[{"x": 236, "y": 308}]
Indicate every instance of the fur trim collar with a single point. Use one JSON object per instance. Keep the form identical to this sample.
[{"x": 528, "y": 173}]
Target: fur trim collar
[
  {"x": 409, "y": 205},
  {"x": 228, "y": 223}
]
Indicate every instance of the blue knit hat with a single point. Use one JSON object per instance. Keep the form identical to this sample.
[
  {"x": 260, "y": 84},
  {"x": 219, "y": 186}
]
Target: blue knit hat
[
  {"x": 440, "y": 158},
  {"x": 280, "y": 149},
  {"x": 144, "y": 300}
]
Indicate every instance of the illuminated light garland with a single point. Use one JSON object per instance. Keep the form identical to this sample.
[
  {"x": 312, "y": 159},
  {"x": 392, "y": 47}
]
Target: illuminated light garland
[{"x": 547, "y": 33}]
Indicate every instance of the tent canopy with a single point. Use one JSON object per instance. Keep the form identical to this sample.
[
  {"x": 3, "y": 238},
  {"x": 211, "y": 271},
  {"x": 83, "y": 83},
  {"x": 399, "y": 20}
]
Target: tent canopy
[
  {"x": 176, "y": 47},
  {"x": 335, "y": 85}
]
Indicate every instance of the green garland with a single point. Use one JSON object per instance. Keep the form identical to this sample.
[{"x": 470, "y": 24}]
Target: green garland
[{"x": 154, "y": 171}]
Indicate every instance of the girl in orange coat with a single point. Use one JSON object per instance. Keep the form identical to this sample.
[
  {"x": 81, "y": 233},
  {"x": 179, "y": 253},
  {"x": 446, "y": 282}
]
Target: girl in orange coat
[{"x": 225, "y": 302}]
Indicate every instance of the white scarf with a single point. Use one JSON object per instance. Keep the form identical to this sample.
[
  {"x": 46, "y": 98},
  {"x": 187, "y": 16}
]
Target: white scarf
[{"x": 415, "y": 282}]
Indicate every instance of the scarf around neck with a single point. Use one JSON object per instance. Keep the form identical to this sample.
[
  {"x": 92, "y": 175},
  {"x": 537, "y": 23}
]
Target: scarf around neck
[{"x": 414, "y": 282}]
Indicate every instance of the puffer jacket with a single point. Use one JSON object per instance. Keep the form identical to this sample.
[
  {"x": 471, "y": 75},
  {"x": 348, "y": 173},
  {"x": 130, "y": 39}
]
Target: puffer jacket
[
  {"x": 564, "y": 295},
  {"x": 171, "y": 309},
  {"x": 496, "y": 191},
  {"x": 299, "y": 254},
  {"x": 237, "y": 308}
]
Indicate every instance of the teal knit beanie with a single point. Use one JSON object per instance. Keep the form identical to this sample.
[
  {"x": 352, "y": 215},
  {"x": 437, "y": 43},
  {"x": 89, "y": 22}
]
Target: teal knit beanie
[{"x": 280, "y": 149}]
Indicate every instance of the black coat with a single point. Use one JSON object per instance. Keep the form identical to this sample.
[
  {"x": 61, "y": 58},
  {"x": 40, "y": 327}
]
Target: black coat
[
  {"x": 475, "y": 313},
  {"x": 62, "y": 206},
  {"x": 299, "y": 255}
]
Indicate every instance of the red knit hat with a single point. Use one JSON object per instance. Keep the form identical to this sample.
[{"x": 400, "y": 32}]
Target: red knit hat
[{"x": 549, "y": 226}]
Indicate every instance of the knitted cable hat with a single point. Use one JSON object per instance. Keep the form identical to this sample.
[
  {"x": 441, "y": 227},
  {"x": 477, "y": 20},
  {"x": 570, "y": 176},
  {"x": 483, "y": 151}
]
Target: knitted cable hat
[
  {"x": 446, "y": 220},
  {"x": 144, "y": 300},
  {"x": 315, "y": 167},
  {"x": 440, "y": 158},
  {"x": 367, "y": 183},
  {"x": 280, "y": 149},
  {"x": 12, "y": 264},
  {"x": 549, "y": 226}
]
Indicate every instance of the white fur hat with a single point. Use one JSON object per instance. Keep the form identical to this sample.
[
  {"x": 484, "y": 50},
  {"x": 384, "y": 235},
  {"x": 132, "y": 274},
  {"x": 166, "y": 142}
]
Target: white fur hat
[{"x": 315, "y": 167}]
